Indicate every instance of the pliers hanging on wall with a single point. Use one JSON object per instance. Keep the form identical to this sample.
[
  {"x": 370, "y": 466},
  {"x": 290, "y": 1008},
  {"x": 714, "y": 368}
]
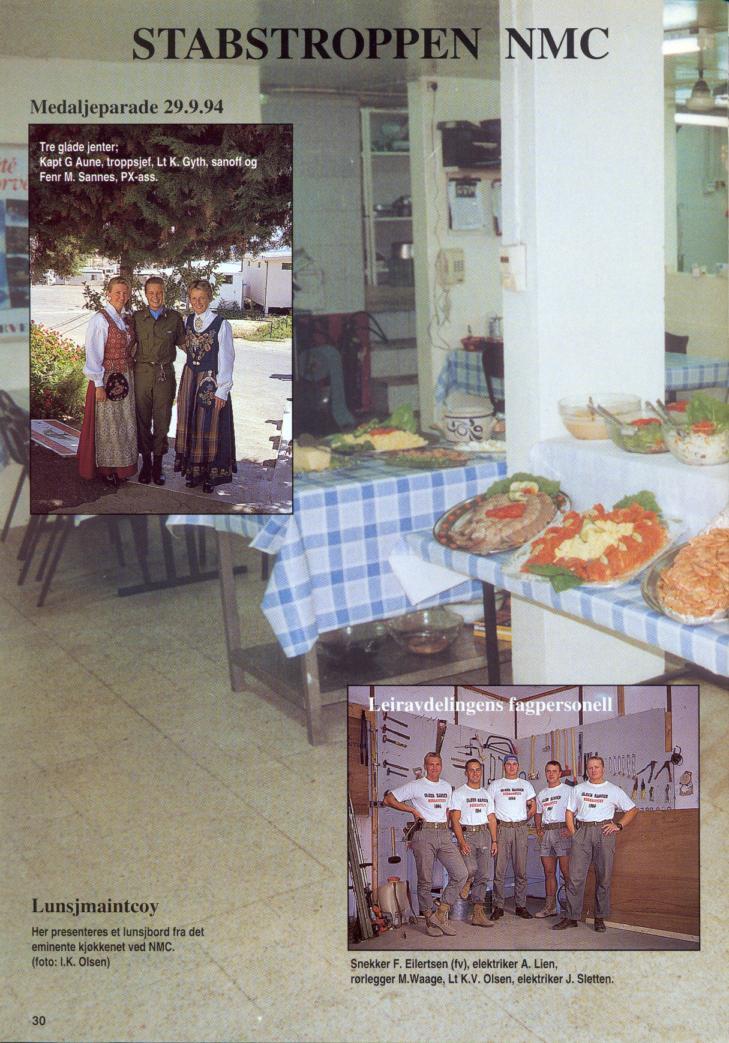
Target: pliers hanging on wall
[
  {"x": 667, "y": 766},
  {"x": 652, "y": 766}
]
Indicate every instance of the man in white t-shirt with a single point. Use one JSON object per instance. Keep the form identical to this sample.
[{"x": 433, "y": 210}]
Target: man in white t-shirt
[
  {"x": 474, "y": 824},
  {"x": 589, "y": 818},
  {"x": 514, "y": 804},
  {"x": 428, "y": 804},
  {"x": 552, "y": 833}
]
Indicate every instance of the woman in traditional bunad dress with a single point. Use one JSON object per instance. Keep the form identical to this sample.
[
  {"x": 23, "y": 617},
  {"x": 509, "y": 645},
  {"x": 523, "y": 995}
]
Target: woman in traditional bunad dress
[
  {"x": 108, "y": 443},
  {"x": 205, "y": 441}
]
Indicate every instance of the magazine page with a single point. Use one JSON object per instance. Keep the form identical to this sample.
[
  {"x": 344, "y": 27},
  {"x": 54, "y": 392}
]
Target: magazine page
[{"x": 364, "y": 476}]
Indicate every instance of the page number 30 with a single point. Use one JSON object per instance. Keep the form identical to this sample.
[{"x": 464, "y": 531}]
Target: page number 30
[{"x": 37, "y": 1019}]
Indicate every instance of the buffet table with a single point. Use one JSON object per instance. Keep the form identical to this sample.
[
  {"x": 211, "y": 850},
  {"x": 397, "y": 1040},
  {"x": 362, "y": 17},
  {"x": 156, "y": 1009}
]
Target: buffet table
[
  {"x": 463, "y": 371},
  {"x": 331, "y": 568},
  {"x": 597, "y": 471},
  {"x": 621, "y": 610}
]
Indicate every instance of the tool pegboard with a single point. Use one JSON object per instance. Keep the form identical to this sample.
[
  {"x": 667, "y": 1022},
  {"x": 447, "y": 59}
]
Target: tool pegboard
[{"x": 633, "y": 748}]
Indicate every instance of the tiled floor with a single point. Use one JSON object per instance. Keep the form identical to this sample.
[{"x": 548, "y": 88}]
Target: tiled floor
[{"x": 131, "y": 771}]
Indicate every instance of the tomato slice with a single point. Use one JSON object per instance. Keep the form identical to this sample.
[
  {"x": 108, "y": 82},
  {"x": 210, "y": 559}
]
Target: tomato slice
[
  {"x": 382, "y": 430},
  {"x": 644, "y": 422},
  {"x": 704, "y": 427},
  {"x": 509, "y": 510},
  {"x": 677, "y": 407}
]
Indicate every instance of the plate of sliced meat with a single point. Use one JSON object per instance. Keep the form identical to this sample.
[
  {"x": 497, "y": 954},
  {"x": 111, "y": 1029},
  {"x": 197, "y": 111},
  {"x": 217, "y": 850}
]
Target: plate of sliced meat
[
  {"x": 690, "y": 582},
  {"x": 494, "y": 522}
]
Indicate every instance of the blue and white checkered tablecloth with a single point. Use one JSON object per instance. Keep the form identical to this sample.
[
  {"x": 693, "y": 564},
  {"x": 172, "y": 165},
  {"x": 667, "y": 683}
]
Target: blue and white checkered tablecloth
[
  {"x": 620, "y": 609},
  {"x": 463, "y": 371},
  {"x": 332, "y": 567},
  {"x": 688, "y": 372}
]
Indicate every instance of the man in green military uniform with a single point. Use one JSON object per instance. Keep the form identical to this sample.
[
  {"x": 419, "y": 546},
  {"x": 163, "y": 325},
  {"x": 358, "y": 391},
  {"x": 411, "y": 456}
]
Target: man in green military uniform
[{"x": 160, "y": 331}]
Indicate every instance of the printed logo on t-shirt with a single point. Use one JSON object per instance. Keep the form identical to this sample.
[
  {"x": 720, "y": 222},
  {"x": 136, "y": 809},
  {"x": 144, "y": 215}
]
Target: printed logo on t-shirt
[
  {"x": 594, "y": 800},
  {"x": 512, "y": 792},
  {"x": 550, "y": 802},
  {"x": 435, "y": 799},
  {"x": 477, "y": 804}
]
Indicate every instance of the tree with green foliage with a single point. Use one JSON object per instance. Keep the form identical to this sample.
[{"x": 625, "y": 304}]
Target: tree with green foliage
[{"x": 186, "y": 213}]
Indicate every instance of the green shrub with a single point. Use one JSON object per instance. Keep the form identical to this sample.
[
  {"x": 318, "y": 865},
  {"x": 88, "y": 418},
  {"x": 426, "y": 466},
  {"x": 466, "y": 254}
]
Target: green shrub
[
  {"x": 57, "y": 381},
  {"x": 278, "y": 327}
]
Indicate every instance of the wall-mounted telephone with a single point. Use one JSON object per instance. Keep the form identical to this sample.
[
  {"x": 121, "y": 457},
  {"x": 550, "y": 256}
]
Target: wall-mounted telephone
[{"x": 450, "y": 267}]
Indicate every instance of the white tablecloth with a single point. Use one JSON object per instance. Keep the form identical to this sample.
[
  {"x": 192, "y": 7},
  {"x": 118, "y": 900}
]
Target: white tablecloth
[{"x": 598, "y": 471}]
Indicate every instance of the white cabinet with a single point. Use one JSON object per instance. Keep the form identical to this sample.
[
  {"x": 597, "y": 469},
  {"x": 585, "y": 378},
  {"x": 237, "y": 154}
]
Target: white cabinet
[{"x": 387, "y": 206}]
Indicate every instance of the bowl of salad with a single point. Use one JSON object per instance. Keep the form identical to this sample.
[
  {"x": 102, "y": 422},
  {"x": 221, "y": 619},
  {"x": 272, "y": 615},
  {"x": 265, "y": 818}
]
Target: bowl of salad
[
  {"x": 638, "y": 433},
  {"x": 699, "y": 434}
]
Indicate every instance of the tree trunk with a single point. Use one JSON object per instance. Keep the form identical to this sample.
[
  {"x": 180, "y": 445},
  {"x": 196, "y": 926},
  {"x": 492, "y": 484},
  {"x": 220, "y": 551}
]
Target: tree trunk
[{"x": 126, "y": 269}]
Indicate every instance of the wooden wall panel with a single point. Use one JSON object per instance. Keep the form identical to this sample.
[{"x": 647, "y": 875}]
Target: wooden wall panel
[
  {"x": 357, "y": 773},
  {"x": 656, "y": 873}
]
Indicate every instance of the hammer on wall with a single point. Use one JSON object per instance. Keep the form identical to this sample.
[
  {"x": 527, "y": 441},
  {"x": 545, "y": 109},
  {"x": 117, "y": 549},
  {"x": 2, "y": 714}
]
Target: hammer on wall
[{"x": 394, "y": 731}]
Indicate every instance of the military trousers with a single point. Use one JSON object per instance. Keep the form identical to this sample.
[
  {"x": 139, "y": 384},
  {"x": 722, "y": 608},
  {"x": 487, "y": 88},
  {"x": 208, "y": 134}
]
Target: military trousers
[
  {"x": 478, "y": 860},
  {"x": 429, "y": 844},
  {"x": 512, "y": 839},
  {"x": 590, "y": 846},
  {"x": 154, "y": 399}
]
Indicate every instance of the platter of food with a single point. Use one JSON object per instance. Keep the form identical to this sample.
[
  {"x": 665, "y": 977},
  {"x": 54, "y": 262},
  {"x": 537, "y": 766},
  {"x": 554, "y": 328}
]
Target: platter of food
[
  {"x": 382, "y": 439},
  {"x": 510, "y": 513},
  {"x": 690, "y": 582},
  {"x": 428, "y": 458},
  {"x": 598, "y": 547},
  {"x": 398, "y": 432},
  {"x": 314, "y": 457}
]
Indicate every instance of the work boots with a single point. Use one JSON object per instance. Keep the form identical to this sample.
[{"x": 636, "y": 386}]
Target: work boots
[
  {"x": 157, "y": 476},
  {"x": 440, "y": 919},
  {"x": 550, "y": 908},
  {"x": 431, "y": 927},
  {"x": 466, "y": 889},
  {"x": 145, "y": 475},
  {"x": 478, "y": 919}
]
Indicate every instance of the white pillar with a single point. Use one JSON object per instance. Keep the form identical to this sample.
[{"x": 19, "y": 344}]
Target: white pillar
[
  {"x": 583, "y": 173},
  {"x": 670, "y": 183}
]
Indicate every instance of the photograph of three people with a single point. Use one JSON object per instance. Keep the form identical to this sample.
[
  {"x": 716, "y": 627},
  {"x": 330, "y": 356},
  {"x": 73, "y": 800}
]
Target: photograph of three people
[{"x": 161, "y": 310}]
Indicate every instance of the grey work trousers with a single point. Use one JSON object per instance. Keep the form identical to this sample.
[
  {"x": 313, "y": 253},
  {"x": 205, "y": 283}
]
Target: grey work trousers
[
  {"x": 477, "y": 862},
  {"x": 512, "y": 841},
  {"x": 590, "y": 845},
  {"x": 427, "y": 845}
]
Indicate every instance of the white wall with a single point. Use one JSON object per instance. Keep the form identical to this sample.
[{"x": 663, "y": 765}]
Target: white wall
[
  {"x": 583, "y": 171},
  {"x": 254, "y": 274},
  {"x": 327, "y": 194},
  {"x": 479, "y": 296},
  {"x": 278, "y": 291},
  {"x": 700, "y": 308},
  {"x": 701, "y": 196}
]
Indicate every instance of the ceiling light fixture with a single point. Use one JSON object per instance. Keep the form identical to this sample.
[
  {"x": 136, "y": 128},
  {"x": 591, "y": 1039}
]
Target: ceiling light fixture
[
  {"x": 687, "y": 41},
  {"x": 701, "y": 99},
  {"x": 702, "y": 119},
  {"x": 681, "y": 44}
]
